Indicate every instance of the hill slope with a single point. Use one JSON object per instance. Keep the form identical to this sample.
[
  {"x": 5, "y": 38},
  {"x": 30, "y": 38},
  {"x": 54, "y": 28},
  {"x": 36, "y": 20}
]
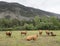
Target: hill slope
[{"x": 18, "y": 11}]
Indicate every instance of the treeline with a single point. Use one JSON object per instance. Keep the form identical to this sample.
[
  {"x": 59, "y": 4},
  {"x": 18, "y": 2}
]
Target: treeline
[{"x": 43, "y": 23}]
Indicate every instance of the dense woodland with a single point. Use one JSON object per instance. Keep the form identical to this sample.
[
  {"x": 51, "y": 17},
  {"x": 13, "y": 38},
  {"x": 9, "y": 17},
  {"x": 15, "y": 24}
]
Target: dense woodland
[{"x": 43, "y": 23}]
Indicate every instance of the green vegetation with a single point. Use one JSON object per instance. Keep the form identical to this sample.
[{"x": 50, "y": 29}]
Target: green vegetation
[
  {"x": 43, "y": 23},
  {"x": 17, "y": 40}
]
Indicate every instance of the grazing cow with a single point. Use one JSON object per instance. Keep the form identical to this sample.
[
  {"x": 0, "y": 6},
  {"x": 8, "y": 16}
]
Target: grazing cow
[
  {"x": 8, "y": 33},
  {"x": 23, "y": 32},
  {"x": 40, "y": 32},
  {"x": 47, "y": 32},
  {"x": 52, "y": 34}
]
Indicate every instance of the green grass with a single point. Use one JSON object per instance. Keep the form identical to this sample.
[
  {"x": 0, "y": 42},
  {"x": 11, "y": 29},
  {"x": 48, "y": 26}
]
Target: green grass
[{"x": 17, "y": 40}]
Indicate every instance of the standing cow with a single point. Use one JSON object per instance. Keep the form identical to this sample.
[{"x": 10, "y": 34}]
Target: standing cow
[
  {"x": 47, "y": 32},
  {"x": 24, "y": 32},
  {"x": 8, "y": 33},
  {"x": 40, "y": 32}
]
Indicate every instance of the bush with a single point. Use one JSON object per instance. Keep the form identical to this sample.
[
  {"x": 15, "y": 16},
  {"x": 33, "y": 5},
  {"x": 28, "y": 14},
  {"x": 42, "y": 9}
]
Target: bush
[
  {"x": 6, "y": 29},
  {"x": 28, "y": 26}
]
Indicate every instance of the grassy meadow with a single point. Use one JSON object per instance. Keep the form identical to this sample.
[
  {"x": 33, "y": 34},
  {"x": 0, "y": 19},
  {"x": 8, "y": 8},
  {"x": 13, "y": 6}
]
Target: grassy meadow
[{"x": 20, "y": 40}]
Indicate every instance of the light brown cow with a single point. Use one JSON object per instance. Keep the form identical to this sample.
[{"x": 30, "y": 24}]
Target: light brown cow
[
  {"x": 35, "y": 37},
  {"x": 32, "y": 37},
  {"x": 29, "y": 38}
]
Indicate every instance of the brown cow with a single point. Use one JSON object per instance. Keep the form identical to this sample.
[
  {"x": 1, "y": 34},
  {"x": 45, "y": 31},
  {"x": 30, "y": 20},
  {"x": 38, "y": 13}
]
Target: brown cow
[
  {"x": 8, "y": 33},
  {"x": 24, "y": 32}
]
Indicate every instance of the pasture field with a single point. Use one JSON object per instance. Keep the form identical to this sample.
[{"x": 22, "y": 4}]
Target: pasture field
[{"x": 20, "y": 40}]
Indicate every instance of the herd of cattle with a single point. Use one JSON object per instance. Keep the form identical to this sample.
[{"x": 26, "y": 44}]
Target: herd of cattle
[{"x": 32, "y": 37}]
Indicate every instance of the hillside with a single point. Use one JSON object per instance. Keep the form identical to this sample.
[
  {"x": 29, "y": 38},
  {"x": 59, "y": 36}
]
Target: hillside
[{"x": 18, "y": 11}]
